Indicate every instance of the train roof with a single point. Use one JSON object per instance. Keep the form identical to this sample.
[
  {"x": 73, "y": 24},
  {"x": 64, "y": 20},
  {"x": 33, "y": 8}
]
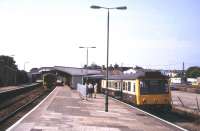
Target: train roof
[{"x": 138, "y": 75}]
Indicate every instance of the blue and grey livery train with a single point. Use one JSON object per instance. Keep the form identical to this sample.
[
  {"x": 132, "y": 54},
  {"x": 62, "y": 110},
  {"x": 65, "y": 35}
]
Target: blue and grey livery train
[{"x": 143, "y": 88}]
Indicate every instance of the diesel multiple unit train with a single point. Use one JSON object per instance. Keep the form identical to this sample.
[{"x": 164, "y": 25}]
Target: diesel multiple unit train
[
  {"x": 49, "y": 81},
  {"x": 143, "y": 88}
]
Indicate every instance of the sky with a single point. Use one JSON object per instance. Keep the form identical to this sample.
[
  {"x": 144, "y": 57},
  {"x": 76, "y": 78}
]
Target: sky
[{"x": 150, "y": 33}]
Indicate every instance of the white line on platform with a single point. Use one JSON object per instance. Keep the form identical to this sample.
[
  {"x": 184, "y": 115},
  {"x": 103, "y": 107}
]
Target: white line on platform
[
  {"x": 151, "y": 115},
  {"x": 21, "y": 119}
]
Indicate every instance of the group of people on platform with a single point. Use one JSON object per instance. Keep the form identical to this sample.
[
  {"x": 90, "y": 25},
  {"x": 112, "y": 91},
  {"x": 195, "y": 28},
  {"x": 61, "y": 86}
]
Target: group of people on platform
[{"x": 91, "y": 90}]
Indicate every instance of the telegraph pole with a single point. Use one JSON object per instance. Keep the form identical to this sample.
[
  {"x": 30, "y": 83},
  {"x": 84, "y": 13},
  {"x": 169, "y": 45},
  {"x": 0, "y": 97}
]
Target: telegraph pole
[{"x": 183, "y": 74}]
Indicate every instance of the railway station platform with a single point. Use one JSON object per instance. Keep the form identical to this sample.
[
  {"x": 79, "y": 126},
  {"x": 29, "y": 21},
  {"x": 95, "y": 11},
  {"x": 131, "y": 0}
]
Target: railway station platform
[
  {"x": 12, "y": 88},
  {"x": 8, "y": 88},
  {"x": 63, "y": 110}
]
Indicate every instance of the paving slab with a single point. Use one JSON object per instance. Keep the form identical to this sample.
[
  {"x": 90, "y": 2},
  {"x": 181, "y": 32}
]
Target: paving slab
[{"x": 63, "y": 110}]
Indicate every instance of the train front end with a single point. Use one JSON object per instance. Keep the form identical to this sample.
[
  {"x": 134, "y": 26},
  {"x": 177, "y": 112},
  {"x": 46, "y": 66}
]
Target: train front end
[{"x": 153, "y": 92}]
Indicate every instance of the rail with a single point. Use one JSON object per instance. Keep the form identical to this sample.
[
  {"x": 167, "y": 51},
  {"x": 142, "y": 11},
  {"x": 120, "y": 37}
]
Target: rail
[
  {"x": 3, "y": 119},
  {"x": 9, "y": 94}
]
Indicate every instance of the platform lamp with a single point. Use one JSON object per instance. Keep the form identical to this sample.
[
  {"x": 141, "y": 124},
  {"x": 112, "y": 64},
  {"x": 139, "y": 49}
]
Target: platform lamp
[
  {"x": 108, "y": 20},
  {"x": 87, "y": 58}
]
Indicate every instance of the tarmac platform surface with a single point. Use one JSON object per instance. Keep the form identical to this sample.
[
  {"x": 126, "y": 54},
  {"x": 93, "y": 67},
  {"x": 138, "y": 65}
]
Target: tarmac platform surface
[{"x": 63, "y": 110}]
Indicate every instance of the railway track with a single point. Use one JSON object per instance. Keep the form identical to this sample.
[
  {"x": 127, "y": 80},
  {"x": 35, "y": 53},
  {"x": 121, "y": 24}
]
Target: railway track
[
  {"x": 10, "y": 108},
  {"x": 6, "y": 117}
]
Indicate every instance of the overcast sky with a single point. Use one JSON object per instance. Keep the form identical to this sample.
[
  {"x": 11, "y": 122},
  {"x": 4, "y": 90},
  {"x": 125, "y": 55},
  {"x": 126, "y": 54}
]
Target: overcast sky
[{"x": 150, "y": 33}]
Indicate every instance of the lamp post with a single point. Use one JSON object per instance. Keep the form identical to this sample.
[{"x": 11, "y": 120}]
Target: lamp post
[
  {"x": 87, "y": 56},
  {"x": 25, "y": 64},
  {"x": 108, "y": 22}
]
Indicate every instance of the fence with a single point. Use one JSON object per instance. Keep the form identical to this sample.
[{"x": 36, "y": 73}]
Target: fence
[
  {"x": 192, "y": 104},
  {"x": 81, "y": 89}
]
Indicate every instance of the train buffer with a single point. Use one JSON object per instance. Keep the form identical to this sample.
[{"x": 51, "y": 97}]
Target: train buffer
[{"x": 64, "y": 110}]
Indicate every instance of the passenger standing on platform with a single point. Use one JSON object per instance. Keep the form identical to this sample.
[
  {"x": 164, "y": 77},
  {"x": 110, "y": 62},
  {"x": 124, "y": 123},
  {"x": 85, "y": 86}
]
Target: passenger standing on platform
[
  {"x": 95, "y": 90},
  {"x": 87, "y": 92},
  {"x": 90, "y": 86}
]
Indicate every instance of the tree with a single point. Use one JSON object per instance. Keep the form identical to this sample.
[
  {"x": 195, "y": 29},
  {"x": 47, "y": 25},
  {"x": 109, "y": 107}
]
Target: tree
[
  {"x": 103, "y": 67},
  {"x": 138, "y": 68},
  {"x": 116, "y": 66},
  {"x": 193, "y": 72},
  {"x": 110, "y": 67},
  {"x": 8, "y": 61},
  {"x": 94, "y": 66},
  {"x": 22, "y": 77},
  {"x": 85, "y": 66},
  {"x": 8, "y": 70},
  {"x": 34, "y": 70}
]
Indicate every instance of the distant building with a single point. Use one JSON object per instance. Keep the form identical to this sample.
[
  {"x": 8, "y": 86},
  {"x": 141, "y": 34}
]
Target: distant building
[
  {"x": 176, "y": 80},
  {"x": 198, "y": 80},
  {"x": 72, "y": 76},
  {"x": 130, "y": 71},
  {"x": 68, "y": 75},
  {"x": 192, "y": 81},
  {"x": 169, "y": 73}
]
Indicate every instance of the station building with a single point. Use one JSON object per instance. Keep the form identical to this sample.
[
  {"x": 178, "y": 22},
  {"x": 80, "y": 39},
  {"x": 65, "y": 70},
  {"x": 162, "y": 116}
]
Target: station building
[{"x": 68, "y": 75}]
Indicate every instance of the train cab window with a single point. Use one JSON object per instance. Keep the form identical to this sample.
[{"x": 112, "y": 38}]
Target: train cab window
[
  {"x": 154, "y": 87},
  {"x": 129, "y": 86}
]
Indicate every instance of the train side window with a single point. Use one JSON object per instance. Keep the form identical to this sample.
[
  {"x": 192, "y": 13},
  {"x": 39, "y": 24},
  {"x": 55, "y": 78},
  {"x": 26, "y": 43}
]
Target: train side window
[
  {"x": 123, "y": 85},
  {"x": 118, "y": 85},
  {"x": 133, "y": 87},
  {"x": 126, "y": 86},
  {"x": 129, "y": 86},
  {"x": 141, "y": 84},
  {"x": 115, "y": 85},
  {"x": 109, "y": 84}
]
